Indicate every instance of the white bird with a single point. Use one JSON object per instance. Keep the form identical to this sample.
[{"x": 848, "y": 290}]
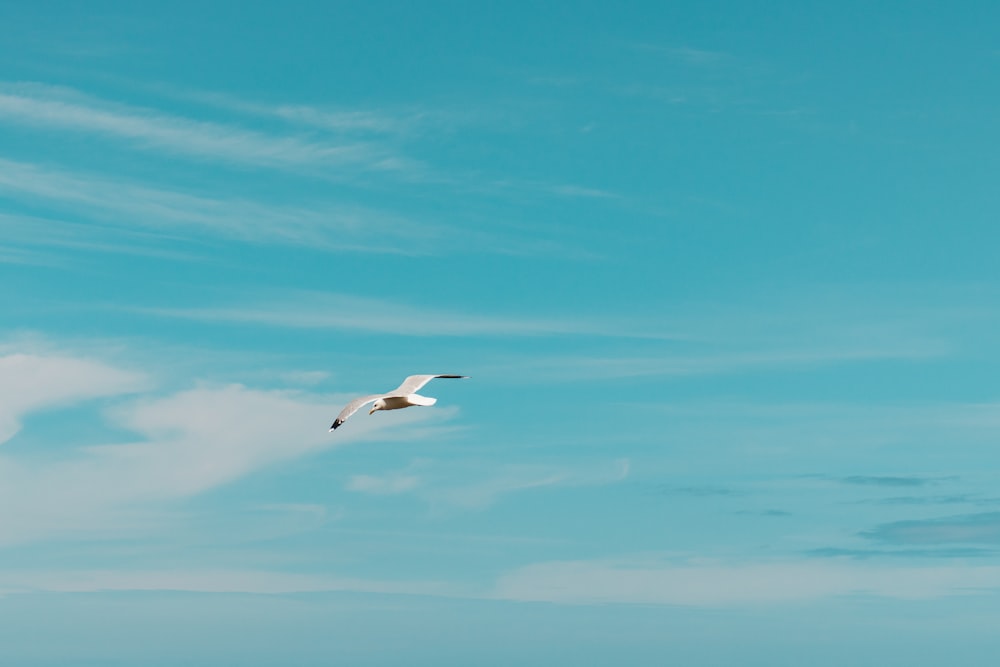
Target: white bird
[{"x": 402, "y": 396}]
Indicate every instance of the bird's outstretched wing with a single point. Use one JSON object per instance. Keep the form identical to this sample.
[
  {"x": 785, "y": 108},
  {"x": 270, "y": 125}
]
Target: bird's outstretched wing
[
  {"x": 412, "y": 384},
  {"x": 353, "y": 407}
]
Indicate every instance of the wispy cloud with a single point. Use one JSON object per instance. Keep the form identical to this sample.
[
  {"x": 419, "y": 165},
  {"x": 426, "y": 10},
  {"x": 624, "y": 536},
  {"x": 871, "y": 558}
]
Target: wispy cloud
[
  {"x": 60, "y": 108},
  {"x": 406, "y": 123},
  {"x": 32, "y": 382},
  {"x": 314, "y": 116},
  {"x": 121, "y": 214},
  {"x": 15, "y": 255},
  {"x": 690, "y": 347},
  {"x": 324, "y": 310},
  {"x": 128, "y": 205},
  {"x": 31, "y": 232}
]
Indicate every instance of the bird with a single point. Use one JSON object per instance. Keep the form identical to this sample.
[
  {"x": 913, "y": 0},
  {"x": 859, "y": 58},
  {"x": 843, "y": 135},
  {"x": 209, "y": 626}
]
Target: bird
[{"x": 402, "y": 396}]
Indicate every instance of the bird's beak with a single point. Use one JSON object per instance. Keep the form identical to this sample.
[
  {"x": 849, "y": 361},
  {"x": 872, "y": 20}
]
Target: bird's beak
[{"x": 372, "y": 411}]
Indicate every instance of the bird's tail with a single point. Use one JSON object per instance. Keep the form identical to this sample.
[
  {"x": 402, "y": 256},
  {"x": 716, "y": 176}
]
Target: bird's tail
[{"x": 417, "y": 399}]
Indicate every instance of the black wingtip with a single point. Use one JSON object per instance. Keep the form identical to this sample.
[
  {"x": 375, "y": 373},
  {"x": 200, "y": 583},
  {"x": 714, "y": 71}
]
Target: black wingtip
[{"x": 336, "y": 424}]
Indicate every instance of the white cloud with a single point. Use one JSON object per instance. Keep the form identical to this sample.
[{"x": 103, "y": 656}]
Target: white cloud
[
  {"x": 32, "y": 382},
  {"x": 705, "y": 584}
]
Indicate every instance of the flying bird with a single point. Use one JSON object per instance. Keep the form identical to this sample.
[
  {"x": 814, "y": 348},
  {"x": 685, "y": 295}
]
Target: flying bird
[{"x": 402, "y": 396}]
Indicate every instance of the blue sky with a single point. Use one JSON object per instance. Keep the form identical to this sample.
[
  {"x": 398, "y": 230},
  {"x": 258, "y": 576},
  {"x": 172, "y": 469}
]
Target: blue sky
[{"x": 725, "y": 281}]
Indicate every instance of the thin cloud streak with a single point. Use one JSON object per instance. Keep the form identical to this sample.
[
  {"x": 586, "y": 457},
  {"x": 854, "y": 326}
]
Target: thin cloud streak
[
  {"x": 48, "y": 232},
  {"x": 147, "y": 128},
  {"x": 405, "y": 120},
  {"x": 22, "y": 256},
  {"x": 332, "y": 120},
  {"x": 312, "y": 310}
]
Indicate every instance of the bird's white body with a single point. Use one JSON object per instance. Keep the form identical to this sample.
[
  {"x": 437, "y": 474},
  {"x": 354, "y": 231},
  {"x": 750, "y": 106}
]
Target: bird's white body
[{"x": 397, "y": 402}]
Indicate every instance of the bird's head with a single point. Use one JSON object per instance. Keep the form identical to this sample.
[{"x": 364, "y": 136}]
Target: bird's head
[{"x": 377, "y": 405}]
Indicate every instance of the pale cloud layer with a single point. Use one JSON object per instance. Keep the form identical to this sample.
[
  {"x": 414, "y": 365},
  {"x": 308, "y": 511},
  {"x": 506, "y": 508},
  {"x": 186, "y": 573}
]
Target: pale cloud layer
[
  {"x": 708, "y": 584},
  {"x": 257, "y": 582},
  {"x": 187, "y": 442},
  {"x": 692, "y": 584}
]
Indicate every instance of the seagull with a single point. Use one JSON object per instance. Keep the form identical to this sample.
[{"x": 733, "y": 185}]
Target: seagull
[{"x": 402, "y": 396}]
